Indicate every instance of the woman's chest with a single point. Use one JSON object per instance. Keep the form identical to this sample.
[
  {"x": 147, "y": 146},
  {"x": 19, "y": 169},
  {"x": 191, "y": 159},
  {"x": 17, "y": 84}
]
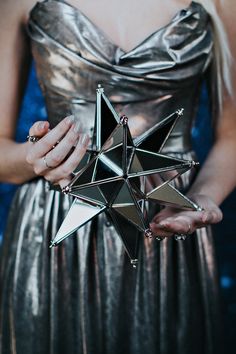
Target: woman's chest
[{"x": 128, "y": 23}]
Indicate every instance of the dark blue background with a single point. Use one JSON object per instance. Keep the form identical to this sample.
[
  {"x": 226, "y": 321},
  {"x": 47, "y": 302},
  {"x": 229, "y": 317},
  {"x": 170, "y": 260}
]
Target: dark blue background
[{"x": 33, "y": 109}]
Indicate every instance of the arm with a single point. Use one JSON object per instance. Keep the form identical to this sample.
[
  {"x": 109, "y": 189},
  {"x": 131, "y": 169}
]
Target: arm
[
  {"x": 219, "y": 169},
  {"x": 15, "y": 59},
  {"x": 22, "y": 162},
  {"x": 217, "y": 177}
]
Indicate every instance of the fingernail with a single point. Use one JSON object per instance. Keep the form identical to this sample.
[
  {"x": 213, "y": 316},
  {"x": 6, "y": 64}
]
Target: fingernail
[
  {"x": 77, "y": 127},
  {"x": 163, "y": 224},
  {"x": 84, "y": 139},
  {"x": 205, "y": 217},
  {"x": 70, "y": 119},
  {"x": 42, "y": 125}
]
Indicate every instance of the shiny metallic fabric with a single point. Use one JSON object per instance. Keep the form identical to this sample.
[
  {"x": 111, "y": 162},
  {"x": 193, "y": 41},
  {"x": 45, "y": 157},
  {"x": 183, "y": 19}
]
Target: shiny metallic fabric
[{"x": 83, "y": 297}]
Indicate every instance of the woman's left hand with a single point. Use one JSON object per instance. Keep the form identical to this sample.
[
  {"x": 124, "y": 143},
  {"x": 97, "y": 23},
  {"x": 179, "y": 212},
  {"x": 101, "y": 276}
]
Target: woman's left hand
[{"x": 170, "y": 221}]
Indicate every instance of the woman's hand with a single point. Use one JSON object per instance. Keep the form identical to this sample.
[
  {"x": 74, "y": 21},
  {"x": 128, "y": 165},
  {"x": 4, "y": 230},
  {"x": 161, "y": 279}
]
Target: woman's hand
[
  {"x": 170, "y": 221},
  {"x": 58, "y": 152}
]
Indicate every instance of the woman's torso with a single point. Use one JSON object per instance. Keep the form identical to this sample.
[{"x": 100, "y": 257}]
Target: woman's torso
[{"x": 161, "y": 74}]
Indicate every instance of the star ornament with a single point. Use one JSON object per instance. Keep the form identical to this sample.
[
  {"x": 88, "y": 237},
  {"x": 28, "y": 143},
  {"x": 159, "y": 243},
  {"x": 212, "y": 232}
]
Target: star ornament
[{"x": 114, "y": 177}]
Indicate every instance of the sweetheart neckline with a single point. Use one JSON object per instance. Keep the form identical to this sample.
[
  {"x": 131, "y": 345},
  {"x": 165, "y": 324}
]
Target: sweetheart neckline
[{"x": 107, "y": 37}]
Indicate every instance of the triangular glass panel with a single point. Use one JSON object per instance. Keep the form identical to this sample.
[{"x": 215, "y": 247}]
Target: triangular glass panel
[
  {"x": 141, "y": 204},
  {"x": 170, "y": 175},
  {"x": 85, "y": 176},
  {"x": 79, "y": 214},
  {"x": 135, "y": 184},
  {"x": 154, "y": 139},
  {"x": 130, "y": 153},
  {"x": 128, "y": 234},
  {"x": 133, "y": 214},
  {"x": 115, "y": 139},
  {"x": 129, "y": 137},
  {"x": 125, "y": 196},
  {"x": 135, "y": 165},
  {"x": 111, "y": 189},
  {"x": 153, "y": 163},
  {"x": 103, "y": 171},
  {"x": 114, "y": 160},
  {"x": 84, "y": 162},
  {"x": 108, "y": 119},
  {"x": 169, "y": 195},
  {"x": 91, "y": 193}
]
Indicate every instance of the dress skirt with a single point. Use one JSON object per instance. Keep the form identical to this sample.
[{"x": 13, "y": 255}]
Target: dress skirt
[{"x": 83, "y": 297}]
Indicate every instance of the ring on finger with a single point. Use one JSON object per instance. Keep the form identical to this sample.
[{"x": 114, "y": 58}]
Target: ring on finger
[
  {"x": 160, "y": 238},
  {"x": 180, "y": 237},
  {"x": 32, "y": 138},
  {"x": 46, "y": 164}
]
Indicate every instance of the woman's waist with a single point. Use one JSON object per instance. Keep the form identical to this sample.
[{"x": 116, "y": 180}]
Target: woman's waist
[{"x": 141, "y": 117}]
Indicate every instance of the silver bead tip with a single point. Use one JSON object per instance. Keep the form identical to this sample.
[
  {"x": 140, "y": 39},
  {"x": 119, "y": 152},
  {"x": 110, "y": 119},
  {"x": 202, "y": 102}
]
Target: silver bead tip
[
  {"x": 134, "y": 263},
  {"x": 148, "y": 233},
  {"x": 123, "y": 120},
  {"x": 66, "y": 190},
  {"x": 52, "y": 244},
  {"x": 100, "y": 88},
  {"x": 180, "y": 111}
]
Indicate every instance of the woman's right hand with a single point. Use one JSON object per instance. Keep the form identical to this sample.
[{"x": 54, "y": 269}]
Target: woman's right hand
[{"x": 58, "y": 151}]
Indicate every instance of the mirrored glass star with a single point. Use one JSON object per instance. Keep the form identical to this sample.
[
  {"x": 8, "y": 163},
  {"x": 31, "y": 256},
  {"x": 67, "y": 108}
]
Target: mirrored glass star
[{"x": 113, "y": 177}]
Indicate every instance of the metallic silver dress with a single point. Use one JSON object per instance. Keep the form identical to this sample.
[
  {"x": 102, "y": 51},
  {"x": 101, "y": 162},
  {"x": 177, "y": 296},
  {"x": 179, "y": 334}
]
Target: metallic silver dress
[{"x": 83, "y": 297}]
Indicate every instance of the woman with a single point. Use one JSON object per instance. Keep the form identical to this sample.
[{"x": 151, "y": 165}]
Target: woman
[{"x": 83, "y": 297}]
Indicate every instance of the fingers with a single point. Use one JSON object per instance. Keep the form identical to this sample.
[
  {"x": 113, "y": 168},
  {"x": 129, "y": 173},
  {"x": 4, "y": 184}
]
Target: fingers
[
  {"x": 45, "y": 144},
  {"x": 188, "y": 222},
  {"x": 56, "y": 156},
  {"x": 62, "y": 173},
  {"x": 39, "y": 129},
  {"x": 212, "y": 216},
  {"x": 165, "y": 213},
  {"x": 179, "y": 225},
  {"x": 56, "y": 161},
  {"x": 159, "y": 231},
  {"x": 171, "y": 221}
]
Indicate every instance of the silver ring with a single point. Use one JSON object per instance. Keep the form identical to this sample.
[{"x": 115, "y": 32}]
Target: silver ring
[
  {"x": 33, "y": 138},
  {"x": 46, "y": 164},
  {"x": 180, "y": 237},
  {"x": 160, "y": 238}
]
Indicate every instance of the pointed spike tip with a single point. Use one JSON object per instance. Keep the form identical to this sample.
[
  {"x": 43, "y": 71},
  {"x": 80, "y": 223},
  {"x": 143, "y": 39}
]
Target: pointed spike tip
[
  {"x": 195, "y": 163},
  {"x": 134, "y": 263},
  {"x": 52, "y": 244},
  {"x": 148, "y": 233},
  {"x": 100, "y": 88},
  {"x": 199, "y": 208},
  {"x": 123, "y": 120},
  {"x": 66, "y": 190},
  {"x": 180, "y": 112}
]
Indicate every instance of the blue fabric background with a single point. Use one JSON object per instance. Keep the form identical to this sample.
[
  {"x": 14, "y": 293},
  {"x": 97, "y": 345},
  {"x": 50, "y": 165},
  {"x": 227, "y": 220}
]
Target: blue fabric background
[{"x": 33, "y": 109}]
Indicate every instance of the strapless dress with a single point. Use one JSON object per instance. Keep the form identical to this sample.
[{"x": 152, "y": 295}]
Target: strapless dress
[{"x": 83, "y": 297}]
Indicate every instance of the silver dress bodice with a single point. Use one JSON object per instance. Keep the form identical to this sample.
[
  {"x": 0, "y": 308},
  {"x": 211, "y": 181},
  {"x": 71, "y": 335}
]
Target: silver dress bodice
[{"x": 160, "y": 75}]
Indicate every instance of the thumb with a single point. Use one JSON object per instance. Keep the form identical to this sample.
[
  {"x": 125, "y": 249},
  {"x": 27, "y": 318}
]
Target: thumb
[{"x": 39, "y": 129}]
